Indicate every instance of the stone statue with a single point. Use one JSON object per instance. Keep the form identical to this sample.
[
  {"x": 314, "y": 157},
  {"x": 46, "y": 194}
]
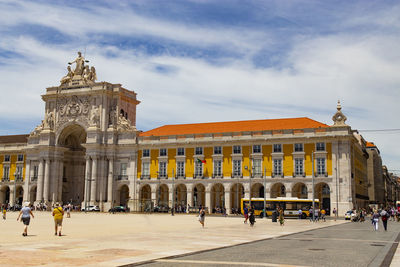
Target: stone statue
[
  {"x": 80, "y": 64},
  {"x": 37, "y": 130},
  {"x": 124, "y": 124},
  {"x": 67, "y": 78},
  {"x": 86, "y": 73},
  {"x": 112, "y": 117},
  {"x": 49, "y": 120},
  {"x": 93, "y": 76},
  {"x": 94, "y": 116}
]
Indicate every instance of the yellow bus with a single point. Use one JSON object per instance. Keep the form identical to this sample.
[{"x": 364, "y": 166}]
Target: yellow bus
[{"x": 290, "y": 205}]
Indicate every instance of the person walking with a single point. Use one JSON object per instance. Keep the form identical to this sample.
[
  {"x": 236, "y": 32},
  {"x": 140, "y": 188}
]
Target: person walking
[
  {"x": 384, "y": 217},
  {"x": 334, "y": 213},
  {"x": 58, "y": 214},
  {"x": 246, "y": 214},
  {"x": 323, "y": 214},
  {"x": 4, "y": 212},
  {"x": 375, "y": 220},
  {"x": 300, "y": 213},
  {"x": 25, "y": 215},
  {"x": 281, "y": 217},
  {"x": 252, "y": 218},
  {"x": 202, "y": 216},
  {"x": 69, "y": 210}
]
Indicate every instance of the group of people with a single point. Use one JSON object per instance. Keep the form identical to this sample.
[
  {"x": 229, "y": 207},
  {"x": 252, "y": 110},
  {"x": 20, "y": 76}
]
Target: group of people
[
  {"x": 26, "y": 213},
  {"x": 319, "y": 214}
]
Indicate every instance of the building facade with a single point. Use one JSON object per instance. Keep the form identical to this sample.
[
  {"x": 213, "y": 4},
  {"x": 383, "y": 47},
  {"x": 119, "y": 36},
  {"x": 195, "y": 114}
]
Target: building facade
[{"x": 87, "y": 151}]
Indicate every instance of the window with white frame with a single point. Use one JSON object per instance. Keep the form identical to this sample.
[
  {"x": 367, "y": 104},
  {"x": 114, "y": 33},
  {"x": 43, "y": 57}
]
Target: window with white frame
[
  {"x": 237, "y": 167},
  {"x": 320, "y": 166},
  {"x": 237, "y": 150},
  {"x": 146, "y": 153},
  {"x": 320, "y": 146},
  {"x": 163, "y": 152},
  {"x": 19, "y": 173},
  {"x": 217, "y": 168},
  {"x": 123, "y": 171},
  {"x": 199, "y": 151},
  {"x": 277, "y": 148},
  {"x": 181, "y": 151},
  {"x": 146, "y": 169},
  {"x": 6, "y": 158},
  {"x": 257, "y": 171},
  {"x": 35, "y": 172},
  {"x": 6, "y": 172},
  {"x": 256, "y": 148},
  {"x": 180, "y": 169},
  {"x": 217, "y": 150},
  {"x": 198, "y": 168},
  {"x": 20, "y": 157},
  {"x": 298, "y": 147},
  {"x": 298, "y": 166},
  {"x": 277, "y": 166},
  {"x": 162, "y": 169}
]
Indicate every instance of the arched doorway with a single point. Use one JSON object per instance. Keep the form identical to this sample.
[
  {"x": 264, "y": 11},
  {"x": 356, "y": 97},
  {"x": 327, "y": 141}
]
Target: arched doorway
[
  {"x": 5, "y": 194},
  {"x": 145, "y": 198},
  {"x": 73, "y": 168},
  {"x": 123, "y": 195},
  {"x": 299, "y": 190},
  {"x": 217, "y": 198},
  {"x": 181, "y": 197},
  {"x": 199, "y": 196},
  {"x": 257, "y": 190},
  {"x": 237, "y": 193},
  {"x": 323, "y": 193},
  {"x": 32, "y": 194},
  {"x": 19, "y": 195},
  {"x": 163, "y": 197},
  {"x": 278, "y": 190}
]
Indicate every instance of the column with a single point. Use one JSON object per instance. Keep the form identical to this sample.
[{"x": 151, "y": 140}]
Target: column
[
  {"x": 60, "y": 180},
  {"x": 190, "y": 198},
  {"x": 110, "y": 181},
  {"x": 12, "y": 192},
  {"x": 228, "y": 204},
  {"x": 46, "y": 181},
  {"x": 208, "y": 200},
  {"x": 39, "y": 189},
  {"x": 87, "y": 178},
  {"x": 27, "y": 180},
  {"x": 93, "y": 187}
]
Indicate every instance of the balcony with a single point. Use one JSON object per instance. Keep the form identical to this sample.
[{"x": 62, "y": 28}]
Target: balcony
[
  {"x": 321, "y": 174},
  {"x": 145, "y": 177},
  {"x": 19, "y": 179},
  {"x": 34, "y": 178},
  {"x": 277, "y": 175},
  {"x": 180, "y": 176},
  {"x": 162, "y": 176},
  {"x": 122, "y": 177},
  {"x": 257, "y": 175},
  {"x": 218, "y": 175},
  {"x": 299, "y": 174},
  {"x": 198, "y": 176},
  {"x": 5, "y": 180},
  {"x": 237, "y": 175}
]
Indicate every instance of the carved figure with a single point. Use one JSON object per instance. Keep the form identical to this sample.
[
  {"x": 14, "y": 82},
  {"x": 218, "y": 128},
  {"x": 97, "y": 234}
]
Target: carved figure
[
  {"x": 80, "y": 64},
  {"x": 49, "y": 120},
  {"x": 93, "y": 76},
  {"x": 124, "y": 124},
  {"x": 112, "y": 117},
  {"x": 94, "y": 116},
  {"x": 37, "y": 130},
  {"x": 86, "y": 73},
  {"x": 67, "y": 78}
]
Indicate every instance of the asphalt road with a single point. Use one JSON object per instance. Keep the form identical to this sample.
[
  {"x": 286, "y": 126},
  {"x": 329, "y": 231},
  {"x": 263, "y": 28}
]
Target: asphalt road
[{"x": 350, "y": 244}]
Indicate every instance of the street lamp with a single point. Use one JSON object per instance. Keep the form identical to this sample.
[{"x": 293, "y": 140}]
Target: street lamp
[
  {"x": 265, "y": 190},
  {"x": 88, "y": 183},
  {"x": 249, "y": 169},
  {"x": 173, "y": 194},
  {"x": 313, "y": 197},
  {"x": 16, "y": 175}
]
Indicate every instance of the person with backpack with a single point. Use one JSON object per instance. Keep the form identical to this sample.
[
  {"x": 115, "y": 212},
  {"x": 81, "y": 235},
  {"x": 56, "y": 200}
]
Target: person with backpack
[
  {"x": 384, "y": 216},
  {"x": 58, "y": 214}
]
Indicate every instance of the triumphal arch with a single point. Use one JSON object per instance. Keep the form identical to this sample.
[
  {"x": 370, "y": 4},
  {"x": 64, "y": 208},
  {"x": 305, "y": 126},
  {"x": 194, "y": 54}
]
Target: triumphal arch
[{"x": 88, "y": 129}]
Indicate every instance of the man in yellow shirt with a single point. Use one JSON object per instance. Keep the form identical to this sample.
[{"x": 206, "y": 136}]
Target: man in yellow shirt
[
  {"x": 323, "y": 213},
  {"x": 58, "y": 214}
]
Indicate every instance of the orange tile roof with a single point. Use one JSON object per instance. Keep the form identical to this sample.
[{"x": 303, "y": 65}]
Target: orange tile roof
[
  {"x": 7, "y": 139},
  {"x": 370, "y": 144},
  {"x": 235, "y": 126}
]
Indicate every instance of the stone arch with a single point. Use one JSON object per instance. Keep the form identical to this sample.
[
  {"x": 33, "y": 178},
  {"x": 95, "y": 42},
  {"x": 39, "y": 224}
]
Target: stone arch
[
  {"x": 237, "y": 193},
  {"x": 5, "y": 194},
  {"x": 278, "y": 190},
  {"x": 32, "y": 194},
  {"x": 163, "y": 196},
  {"x": 181, "y": 196},
  {"x": 323, "y": 193},
  {"x": 145, "y": 198},
  {"x": 217, "y": 198},
  {"x": 257, "y": 190},
  {"x": 123, "y": 195},
  {"x": 19, "y": 195},
  {"x": 199, "y": 195},
  {"x": 300, "y": 190}
]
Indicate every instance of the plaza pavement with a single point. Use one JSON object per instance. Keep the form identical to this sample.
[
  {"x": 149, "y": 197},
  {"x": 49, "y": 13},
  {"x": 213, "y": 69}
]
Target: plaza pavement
[{"x": 102, "y": 239}]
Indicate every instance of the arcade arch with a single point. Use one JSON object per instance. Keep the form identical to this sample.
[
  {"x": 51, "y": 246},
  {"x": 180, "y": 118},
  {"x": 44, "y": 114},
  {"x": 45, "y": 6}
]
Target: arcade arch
[
  {"x": 145, "y": 198},
  {"x": 323, "y": 193},
  {"x": 278, "y": 190},
  {"x": 217, "y": 197},
  {"x": 299, "y": 190},
  {"x": 199, "y": 195},
  {"x": 237, "y": 193}
]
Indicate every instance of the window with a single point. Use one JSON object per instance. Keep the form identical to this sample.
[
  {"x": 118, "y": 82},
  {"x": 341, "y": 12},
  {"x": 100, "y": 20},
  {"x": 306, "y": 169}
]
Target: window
[
  {"x": 237, "y": 167},
  {"x": 237, "y": 149},
  {"x": 163, "y": 152},
  {"x": 146, "y": 169},
  {"x": 19, "y": 173},
  {"x": 298, "y": 165},
  {"x": 277, "y": 148},
  {"x": 20, "y": 157},
  {"x": 277, "y": 166},
  {"x": 320, "y": 146},
  {"x": 199, "y": 151},
  {"x": 123, "y": 172},
  {"x": 217, "y": 150},
  {"x": 6, "y": 172},
  {"x": 256, "y": 149},
  {"x": 320, "y": 166},
  {"x": 298, "y": 147},
  {"x": 181, "y": 151},
  {"x": 146, "y": 153},
  {"x": 217, "y": 168},
  {"x": 180, "y": 169},
  {"x": 162, "y": 169},
  {"x": 198, "y": 171},
  {"x": 257, "y": 167},
  {"x": 7, "y": 158},
  {"x": 35, "y": 171}
]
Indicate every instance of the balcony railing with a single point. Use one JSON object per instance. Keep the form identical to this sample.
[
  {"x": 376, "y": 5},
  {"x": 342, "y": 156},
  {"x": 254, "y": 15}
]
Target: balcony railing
[
  {"x": 257, "y": 175},
  {"x": 145, "y": 177},
  {"x": 5, "y": 179},
  {"x": 19, "y": 179},
  {"x": 180, "y": 177},
  {"x": 122, "y": 177},
  {"x": 198, "y": 176},
  {"x": 321, "y": 174},
  {"x": 278, "y": 175},
  {"x": 299, "y": 174},
  {"x": 218, "y": 175},
  {"x": 237, "y": 175},
  {"x": 34, "y": 178}
]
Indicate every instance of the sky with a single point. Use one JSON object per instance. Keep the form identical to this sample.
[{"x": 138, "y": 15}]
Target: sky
[{"x": 207, "y": 61}]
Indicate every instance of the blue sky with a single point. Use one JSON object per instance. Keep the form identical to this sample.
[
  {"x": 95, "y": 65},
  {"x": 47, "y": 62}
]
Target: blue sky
[{"x": 200, "y": 61}]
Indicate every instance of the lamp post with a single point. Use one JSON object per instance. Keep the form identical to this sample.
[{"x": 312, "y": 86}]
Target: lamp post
[
  {"x": 265, "y": 190},
  {"x": 313, "y": 198},
  {"x": 173, "y": 194},
  {"x": 88, "y": 183},
  {"x": 16, "y": 175},
  {"x": 249, "y": 169}
]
